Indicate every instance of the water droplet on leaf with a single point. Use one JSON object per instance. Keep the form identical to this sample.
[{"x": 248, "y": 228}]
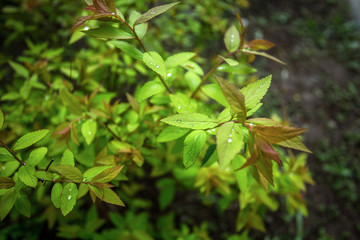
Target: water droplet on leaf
[
  {"x": 229, "y": 140},
  {"x": 157, "y": 66},
  {"x": 191, "y": 125},
  {"x": 250, "y": 124},
  {"x": 213, "y": 129},
  {"x": 230, "y": 135},
  {"x": 152, "y": 12},
  {"x": 169, "y": 75},
  {"x": 179, "y": 120},
  {"x": 179, "y": 107},
  {"x": 68, "y": 197},
  {"x": 89, "y": 132}
]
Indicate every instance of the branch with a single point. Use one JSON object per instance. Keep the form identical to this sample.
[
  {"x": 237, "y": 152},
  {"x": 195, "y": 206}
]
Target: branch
[{"x": 12, "y": 153}]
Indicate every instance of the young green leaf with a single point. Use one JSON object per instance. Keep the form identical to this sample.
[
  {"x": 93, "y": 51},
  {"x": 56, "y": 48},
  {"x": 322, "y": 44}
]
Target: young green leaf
[
  {"x": 67, "y": 158},
  {"x": 241, "y": 175},
  {"x": 88, "y": 130},
  {"x": 2, "y": 119},
  {"x": 190, "y": 120},
  {"x": 20, "y": 69},
  {"x": 192, "y": 80},
  {"x": 294, "y": 143},
  {"x": 27, "y": 175},
  {"x": 234, "y": 97},
  {"x": 214, "y": 91},
  {"x": 29, "y": 139},
  {"x": 68, "y": 198},
  {"x": 193, "y": 145},
  {"x": 37, "y": 155},
  {"x": 23, "y": 204},
  {"x": 92, "y": 172},
  {"x": 107, "y": 31},
  {"x": 155, "y": 62},
  {"x": 232, "y": 39},
  {"x": 56, "y": 194},
  {"x": 154, "y": 12},
  {"x": 242, "y": 69},
  {"x": 108, "y": 174},
  {"x": 7, "y": 202},
  {"x": 183, "y": 103},
  {"x": 229, "y": 61},
  {"x": 107, "y": 195},
  {"x": 178, "y": 59},
  {"x": 44, "y": 175},
  {"x": 264, "y": 55},
  {"x": 254, "y": 92},
  {"x": 128, "y": 49},
  {"x": 140, "y": 29},
  {"x": 6, "y": 183},
  {"x": 150, "y": 89},
  {"x": 229, "y": 140},
  {"x": 260, "y": 44},
  {"x": 70, "y": 102},
  {"x": 171, "y": 133},
  {"x": 69, "y": 172}
]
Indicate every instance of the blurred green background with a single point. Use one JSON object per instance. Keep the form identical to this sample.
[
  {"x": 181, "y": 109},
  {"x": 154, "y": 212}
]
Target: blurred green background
[{"x": 317, "y": 89}]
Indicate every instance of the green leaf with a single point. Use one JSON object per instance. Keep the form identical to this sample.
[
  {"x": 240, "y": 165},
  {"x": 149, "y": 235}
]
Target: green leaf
[
  {"x": 155, "y": 62},
  {"x": 23, "y": 204},
  {"x": 20, "y": 69},
  {"x": 150, "y": 89},
  {"x": 7, "y": 203},
  {"x": 108, "y": 174},
  {"x": 69, "y": 172},
  {"x": 154, "y": 12},
  {"x": 265, "y": 169},
  {"x": 193, "y": 67},
  {"x": 193, "y": 80},
  {"x": 190, "y": 120},
  {"x": 264, "y": 55},
  {"x": 68, "y": 198},
  {"x": 9, "y": 168},
  {"x": 254, "y": 92},
  {"x": 166, "y": 187},
  {"x": 44, "y": 175},
  {"x": 234, "y": 97},
  {"x": 140, "y": 29},
  {"x": 92, "y": 172},
  {"x": 242, "y": 69},
  {"x": 229, "y": 61},
  {"x": 229, "y": 140},
  {"x": 128, "y": 49},
  {"x": 5, "y": 155},
  {"x": 67, "y": 158},
  {"x": 29, "y": 139},
  {"x": 2, "y": 119},
  {"x": 193, "y": 145},
  {"x": 171, "y": 133},
  {"x": 88, "y": 130},
  {"x": 294, "y": 143},
  {"x": 110, "y": 32},
  {"x": 37, "y": 155},
  {"x": 183, "y": 103},
  {"x": 27, "y": 175},
  {"x": 107, "y": 195},
  {"x": 178, "y": 59},
  {"x": 56, "y": 193},
  {"x": 70, "y": 102},
  {"x": 6, "y": 183},
  {"x": 241, "y": 175},
  {"x": 232, "y": 39},
  {"x": 214, "y": 91}
]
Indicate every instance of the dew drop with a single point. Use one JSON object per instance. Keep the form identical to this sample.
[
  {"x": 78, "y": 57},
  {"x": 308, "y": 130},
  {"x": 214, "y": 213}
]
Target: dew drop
[
  {"x": 232, "y": 40},
  {"x": 179, "y": 107},
  {"x": 70, "y": 189},
  {"x": 157, "y": 66},
  {"x": 24, "y": 164},
  {"x": 250, "y": 124},
  {"x": 230, "y": 135},
  {"x": 3, "y": 168},
  {"x": 86, "y": 28},
  {"x": 152, "y": 12},
  {"x": 179, "y": 120},
  {"x": 213, "y": 129},
  {"x": 113, "y": 13},
  {"x": 261, "y": 86},
  {"x": 89, "y": 132},
  {"x": 229, "y": 140},
  {"x": 68, "y": 197},
  {"x": 84, "y": 180},
  {"x": 191, "y": 125},
  {"x": 169, "y": 75},
  {"x": 232, "y": 35}
]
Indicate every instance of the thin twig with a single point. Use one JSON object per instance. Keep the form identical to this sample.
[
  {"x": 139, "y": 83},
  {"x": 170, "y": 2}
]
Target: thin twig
[{"x": 12, "y": 153}]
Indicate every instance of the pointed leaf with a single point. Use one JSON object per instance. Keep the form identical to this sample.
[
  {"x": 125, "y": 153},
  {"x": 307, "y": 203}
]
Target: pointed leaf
[
  {"x": 260, "y": 44},
  {"x": 229, "y": 140},
  {"x": 68, "y": 198},
  {"x": 193, "y": 145},
  {"x": 241, "y": 175},
  {"x": 171, "y": 133},
  {"x": 234, "y": 97},
  {"x": 6, "y": 183},
  {"x": 56, "y": 194},
  {"x": 154, "y": 12},
  {"x": 67, "y": 158},
  {"x": 214, "y": 91},
  {"x": 232, "y": 39},
  {"x": 23, "y": 204},
  {"x": 150, "y": 89},
  {"x": 70, "y": 102},
  {"x": 190, "y": 120},
  {"x": 107, "y": 195},
  {"x": 140, "y": 29},
  {"x": 20, "y": 69},
  {"x": 254, "y": 92},
  {"x": 7, "y": 202},
  {"x": 155, "y": 62},
  {"x": 294, "y": 143},
  {"x": 37, "y": 155},
  {"x": 264, "y": 55},
  {"x": 2, "y": 119},
  {"x": 29, "y": 139},
  {"x": 266, "y": 170},
  {"x": 88, "y": 130},
  {"x": 267, "y": 150},
  {"x": 92, "y": 172},
  {"x": 178, "y": 59},
  {"x": 107, "y": 31},
  {"x": 128, "y": 49},
  {"x": 27, "y": 175},
  {"x": 241, "y": 68},
  {"x": 275, "y": 134},
  {"x": 108, "y": 174},
  {"x": 229, "y": 61},
  {"x": 69, "y": 172}
]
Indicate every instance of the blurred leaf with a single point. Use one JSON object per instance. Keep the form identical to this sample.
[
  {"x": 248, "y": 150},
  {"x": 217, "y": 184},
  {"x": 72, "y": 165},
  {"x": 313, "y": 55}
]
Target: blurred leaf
[
  {"x": 231, "y": 62},
  {"x": 69, "y": 172},
  {"x": 128, "y": 49},
  {"x": 6, "y": 183},
  {"x": 154, "y": 12},
  {"x": 190, "y": 120},
  {"x": 27, "y": 175},
  {"x": 265, "y": 169},
  {"x": 107, "y": 31},
  {"x": 7, "y": 202},
  {"x": 56, "y": 194},
  {"x": 68, "y": 198},
  {"x": 23, "y": 204},
  {"x": 241, "y": 175},
  {"x": 254, "y": 92},
  {"x": 67, "y": 158},
  {"x": 232, "y": 39},
  {"x": 167, "y": 192},
  {"x": 155, "y": 62},
  {"x": 264, "y": 55},
  {"x": 171, "y": 133},
  {"x": 20, "y": 69},
  {"x": 242, "y": 69},
  {"x": 70, "y": 102},
  {"x": 178, "y": 59},
  {"x": 30, "y": 139},
  {"x": 150, "y": 89},
  {"x": 2, "y": 119},
  {"x": 193, "y": 145},
  {"x": 88, "y": 130},
  {"x": 37, "y": 155},
  {"x": 260, "y": 44}
]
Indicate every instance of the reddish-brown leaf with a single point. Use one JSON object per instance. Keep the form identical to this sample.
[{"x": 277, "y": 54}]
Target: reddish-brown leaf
[
  {"x": 267, "y": 150},
  {"x": 260, "y": 44},
  {"x": 276, "y": 134}
]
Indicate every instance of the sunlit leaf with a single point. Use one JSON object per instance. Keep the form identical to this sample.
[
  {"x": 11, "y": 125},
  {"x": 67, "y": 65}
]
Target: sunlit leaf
[
  {"x": 27, "y": 175},
  {"x": 242, "y": 69},
  {"x": 260, "y": 44},
  {"x": 232, "y": 39},
  {"x": 88, "y": 130},
  {"x": 69, "y": 172},
  {"x": 29, "y": 139},
  {"x": 107, "y": 31},
  {"x": 108, "y": 174},
  {"x": 229, "y": 61},
  {"x": 171, "y": 133},
  {"x": 155, "y": 62},
  {"x": 178, "y": 59},
  {"x": 254, "y": 92},
  {"x": 37, "y": 155},
  {"x": 154, "y": 12},
  {"x": 150, "y": 89},
  {"x": 68, "y": 198},
  {"x": 193, "y": 145},
  {"x": 214, "y": 91},
  {"x": 70, "y": 102},
  {"x": 67, "y": 158},
  {"x": 190, "y": 120}
]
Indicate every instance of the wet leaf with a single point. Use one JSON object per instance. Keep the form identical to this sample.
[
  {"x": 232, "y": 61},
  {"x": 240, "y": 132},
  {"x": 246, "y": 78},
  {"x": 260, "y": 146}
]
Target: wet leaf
[
  {"x": 68, "y": 198},
  {"x": 232, "y": 39},
  {"x": 171, "y": 133},
  {"x": 29, "y": 139},
  {"x": 178, "y": 59},
  {"x": 155, "y": 62},
  {"x": 190, "y": 120},
  {"x": 107, "y": 31},
  {"x": 193, "y": 145},
  {"x": 88, "y": 130},
  {"x": 254, "y": 92},
  {"x": 154, "y": 12}
]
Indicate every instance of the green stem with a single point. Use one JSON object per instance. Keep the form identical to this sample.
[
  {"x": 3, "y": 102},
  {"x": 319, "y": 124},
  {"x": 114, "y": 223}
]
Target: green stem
[
  {"x": 12, "y": 153},
  {"x": 144, "y": 48}
]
